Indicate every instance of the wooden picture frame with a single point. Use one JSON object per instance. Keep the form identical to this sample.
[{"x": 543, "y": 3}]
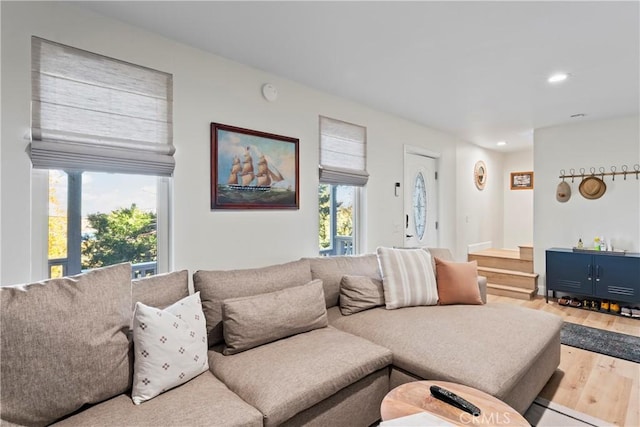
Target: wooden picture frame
[
  {"x": 253, "y": 170},
  {"x": 522, "y": 180}
]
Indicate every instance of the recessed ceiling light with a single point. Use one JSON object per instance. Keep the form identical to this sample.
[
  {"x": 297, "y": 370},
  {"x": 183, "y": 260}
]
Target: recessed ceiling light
[
  {"x": 558, "y": 77},
  {"x": 501, "y": 143}
]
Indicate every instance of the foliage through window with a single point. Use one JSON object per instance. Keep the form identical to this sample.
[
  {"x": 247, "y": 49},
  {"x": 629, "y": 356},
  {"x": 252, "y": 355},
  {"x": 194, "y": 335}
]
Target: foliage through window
[
  {"x": 336, "y": 219},
  {"x": 100, "y": 219}
]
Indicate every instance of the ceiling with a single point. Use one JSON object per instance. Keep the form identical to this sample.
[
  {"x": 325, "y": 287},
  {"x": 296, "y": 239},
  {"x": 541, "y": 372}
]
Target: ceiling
[{"x": 475, "y": 69}]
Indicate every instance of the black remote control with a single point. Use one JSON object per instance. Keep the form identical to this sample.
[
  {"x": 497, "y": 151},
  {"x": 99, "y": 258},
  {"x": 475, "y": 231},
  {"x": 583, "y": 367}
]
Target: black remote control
[{"x": 455, "y": 400}]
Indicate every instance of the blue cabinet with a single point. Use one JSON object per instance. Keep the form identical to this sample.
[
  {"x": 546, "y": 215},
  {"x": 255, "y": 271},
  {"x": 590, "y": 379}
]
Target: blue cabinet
[{"x": 601, "y": 275}]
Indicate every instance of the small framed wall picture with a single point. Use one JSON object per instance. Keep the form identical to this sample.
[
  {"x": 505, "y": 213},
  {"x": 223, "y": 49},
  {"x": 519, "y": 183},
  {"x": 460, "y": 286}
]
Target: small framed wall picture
[{"x": 522, "y": 180}]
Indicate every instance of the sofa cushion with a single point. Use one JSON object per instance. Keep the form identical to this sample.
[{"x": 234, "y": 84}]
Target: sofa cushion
[
  {"x": 203, "y": 401},
  {"x": 359, "y": 293},
  {"x": 170, "y": 346},
  {"x": 407, "y": 277},
  {"x": 287, "y": 376},
  {"x": 489, "y": 347},
  {"x": 64, "y": 344},
  {"x": 161, "y": 290},
  {"x": 216, "y": 286},
  {"x": 442, "y": 253},
  {"x": 252, "y": 321},
  {"x": 330, "y": 270},
  {"x": 457, "y": 282}
]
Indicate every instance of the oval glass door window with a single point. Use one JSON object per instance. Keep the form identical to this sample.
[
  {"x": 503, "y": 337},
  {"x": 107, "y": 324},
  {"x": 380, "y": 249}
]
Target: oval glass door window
[{"x": 420, "y": 205}]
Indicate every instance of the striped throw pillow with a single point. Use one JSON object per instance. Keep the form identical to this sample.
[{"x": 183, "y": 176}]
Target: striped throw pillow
[{"x": 407, "y": 277}]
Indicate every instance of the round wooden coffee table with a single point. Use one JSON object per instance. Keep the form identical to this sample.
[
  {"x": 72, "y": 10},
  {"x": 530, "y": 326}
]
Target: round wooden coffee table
[{"x": 414, "y": 397}]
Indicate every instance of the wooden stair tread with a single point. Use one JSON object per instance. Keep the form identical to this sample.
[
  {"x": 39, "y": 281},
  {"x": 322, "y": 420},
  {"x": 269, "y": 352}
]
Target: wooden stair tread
[
  {"x": 510, "y": 291},
  {"x": 498, "y": 253},
  {"x": 511, "y": 288},
  {"x": 510, "y": 272}
]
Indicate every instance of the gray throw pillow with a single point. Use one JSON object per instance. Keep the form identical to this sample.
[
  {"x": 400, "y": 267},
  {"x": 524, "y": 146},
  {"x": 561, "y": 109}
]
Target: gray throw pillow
[
  {"x": 358, "y": 293},
  {"x": 217, "y": 286},
  {"x": 64, "y": 344},
  {"x": 260, "y": 319}
]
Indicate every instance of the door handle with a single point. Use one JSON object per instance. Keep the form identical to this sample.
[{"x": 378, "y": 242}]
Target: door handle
[
  {"x": 589, "y": 269},
  {"x": 408, "y": 235},
  {"x": 597, "y": 273}
]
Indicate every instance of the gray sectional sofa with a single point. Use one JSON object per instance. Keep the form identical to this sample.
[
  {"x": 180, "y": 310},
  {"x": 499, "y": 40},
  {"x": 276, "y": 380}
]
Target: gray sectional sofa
[{"x": 336, "y": 372}]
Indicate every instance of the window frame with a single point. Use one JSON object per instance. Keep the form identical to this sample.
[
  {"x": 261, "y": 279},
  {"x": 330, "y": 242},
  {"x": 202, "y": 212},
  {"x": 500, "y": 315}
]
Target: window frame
[
  {"x": 358, "y": 237},
  {"x": 40, "y": 224}
]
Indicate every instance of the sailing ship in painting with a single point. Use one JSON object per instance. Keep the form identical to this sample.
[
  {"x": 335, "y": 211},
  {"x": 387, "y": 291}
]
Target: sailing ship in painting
[{"x": 243, "y": 176}]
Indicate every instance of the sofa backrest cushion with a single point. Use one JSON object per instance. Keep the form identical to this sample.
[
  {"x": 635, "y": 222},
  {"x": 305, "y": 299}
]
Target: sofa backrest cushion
[
  {"x": 442, "y": 253},
  {"x": 260, "y": 319},
  {"x": 331, "y": 269},
  {"x": 161, "y": 290},
  {"x": 64, "y": 344},
  {"x": 359, "y": 293},
  {"x": 216, "y": 286}
]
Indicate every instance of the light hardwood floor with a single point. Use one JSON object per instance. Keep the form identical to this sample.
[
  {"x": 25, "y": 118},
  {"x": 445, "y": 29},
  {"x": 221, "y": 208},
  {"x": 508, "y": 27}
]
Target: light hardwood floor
[{"x": 601, "y": 386}]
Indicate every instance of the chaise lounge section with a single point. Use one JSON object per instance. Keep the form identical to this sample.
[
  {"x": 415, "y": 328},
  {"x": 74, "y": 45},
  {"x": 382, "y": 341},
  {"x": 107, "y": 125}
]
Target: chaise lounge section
[{"x": 507, "y": 351}]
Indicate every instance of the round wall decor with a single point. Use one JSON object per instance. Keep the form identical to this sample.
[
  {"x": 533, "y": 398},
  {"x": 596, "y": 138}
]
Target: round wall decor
[{"x": 480, "y": 174}]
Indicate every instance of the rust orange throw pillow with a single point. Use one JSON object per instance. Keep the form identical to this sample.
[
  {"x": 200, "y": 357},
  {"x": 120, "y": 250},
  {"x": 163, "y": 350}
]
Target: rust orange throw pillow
[{"x": 457, "y": 282}]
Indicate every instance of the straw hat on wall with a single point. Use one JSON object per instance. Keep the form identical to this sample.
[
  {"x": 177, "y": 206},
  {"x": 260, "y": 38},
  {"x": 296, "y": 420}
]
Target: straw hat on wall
[{"x": 592, "y": 188}]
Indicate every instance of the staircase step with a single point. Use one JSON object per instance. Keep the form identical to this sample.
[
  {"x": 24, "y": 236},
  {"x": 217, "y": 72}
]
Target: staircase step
[
  {"x": 510, "y": 291},
  {"x": 503, "y": 259},
  {"x": 518, "y": 279},
  {"x": 526, "y": 252}
]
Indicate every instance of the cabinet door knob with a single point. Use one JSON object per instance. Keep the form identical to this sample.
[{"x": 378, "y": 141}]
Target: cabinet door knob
[
  {"x": 597, "y": 273},
  {"x": 589, "y": 272}
]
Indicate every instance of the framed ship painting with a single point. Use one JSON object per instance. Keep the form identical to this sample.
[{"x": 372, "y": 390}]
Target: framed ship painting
[{"x": 253, "y": 170}]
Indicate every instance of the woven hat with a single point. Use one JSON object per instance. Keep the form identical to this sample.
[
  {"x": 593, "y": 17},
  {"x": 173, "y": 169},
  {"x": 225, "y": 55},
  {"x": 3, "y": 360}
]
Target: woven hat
[
  {"x": 563, "y": 193},
  {"x": 592, "y": 188}
]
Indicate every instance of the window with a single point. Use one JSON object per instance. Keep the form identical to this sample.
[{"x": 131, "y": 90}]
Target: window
[
  {"x": 99, "y": 219},
  {"x": 102, "y": 131},
  {"x": 342, "y": 174},
  {"x": 337, "y": 207}
]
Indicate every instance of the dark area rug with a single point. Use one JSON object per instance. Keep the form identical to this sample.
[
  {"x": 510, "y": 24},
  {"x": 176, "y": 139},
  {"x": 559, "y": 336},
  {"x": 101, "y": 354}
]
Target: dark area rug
[{"x": 613, "y": 344}]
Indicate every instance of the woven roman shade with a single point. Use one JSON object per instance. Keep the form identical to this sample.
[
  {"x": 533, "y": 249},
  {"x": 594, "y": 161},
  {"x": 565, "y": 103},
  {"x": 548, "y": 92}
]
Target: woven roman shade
[
  {"x": 94, "y": 113},
  {"x": 343, "y": 153}
]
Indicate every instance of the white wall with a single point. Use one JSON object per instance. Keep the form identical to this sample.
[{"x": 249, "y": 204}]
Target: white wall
[
  {"x": 210, "y": 88},
  {"x": 518, "y": 204},
  {"x": 616, "y": 215},
  {"x": 479, "y": 212}
]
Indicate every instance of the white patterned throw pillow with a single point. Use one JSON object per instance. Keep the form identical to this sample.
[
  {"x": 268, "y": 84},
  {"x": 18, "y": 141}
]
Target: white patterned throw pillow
[
  {"x": 407, "y": 277},
  {"x": 170, "y": 346}
]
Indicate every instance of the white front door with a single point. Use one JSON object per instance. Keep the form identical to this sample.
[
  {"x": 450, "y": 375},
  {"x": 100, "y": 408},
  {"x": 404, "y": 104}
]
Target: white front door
[{"x": 420, "y": 201}]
